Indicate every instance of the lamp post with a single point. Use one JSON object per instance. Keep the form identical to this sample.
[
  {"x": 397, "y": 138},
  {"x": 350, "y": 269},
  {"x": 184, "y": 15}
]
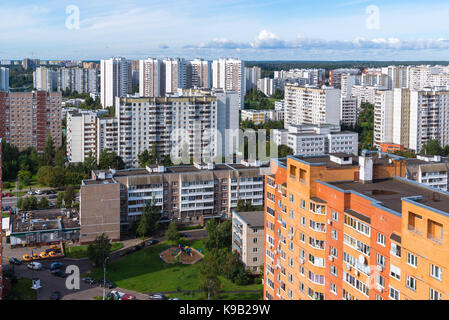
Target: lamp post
[{"x": 104, "y": 275}]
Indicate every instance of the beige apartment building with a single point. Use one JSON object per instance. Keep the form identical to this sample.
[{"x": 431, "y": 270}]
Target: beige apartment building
[
  {"x": 248, "y": 238},
  {"x": 187, "y": 194}
]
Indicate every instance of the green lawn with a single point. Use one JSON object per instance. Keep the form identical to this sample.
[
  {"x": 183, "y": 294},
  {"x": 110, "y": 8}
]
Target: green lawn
[
  {"x": 80, "y": 252},
  {"x": 223, "y": 296},
  {"x": 145, "y": 272},
  {"x": 22, "y": 291}
]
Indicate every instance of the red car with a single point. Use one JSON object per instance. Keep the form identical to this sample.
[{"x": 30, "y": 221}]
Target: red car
[
  {"x": 8, "y": 195},
  {"x": 128, "y": 297}
]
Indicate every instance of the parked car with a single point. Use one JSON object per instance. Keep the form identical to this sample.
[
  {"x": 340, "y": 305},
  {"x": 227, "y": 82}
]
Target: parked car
[
  {"x": 109, "y": 284},
  {"x": 31, "y": 192},
  {"x": 59, "y": 273},
  {"x": 35, "y": 266},
  {"x": 55, "y": 295},
  {"x": 56, "y": 265},
  {"x": 157, "y": 296},
  {"x": 152, "y": 242},
  {"x": 174, "y": 299},
  {"x": 89, "y": 280},
  {"x": 38, "y": 192},
  {"x": 15, "y": 261},
  {"x": 8, "y": 195}
]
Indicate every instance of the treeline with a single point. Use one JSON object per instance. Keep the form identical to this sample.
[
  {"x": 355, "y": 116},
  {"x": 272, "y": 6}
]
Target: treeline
[{"x": 364, "y": 127}]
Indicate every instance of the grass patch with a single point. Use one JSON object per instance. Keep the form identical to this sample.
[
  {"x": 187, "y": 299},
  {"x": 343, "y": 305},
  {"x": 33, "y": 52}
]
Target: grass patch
[
  {"x": 21, "y": 290},
  {"x": 80, "y": 252},
  {"x": 223, "y": 296},
  {"x": 145, "y": 272},
  {"x": 186, "y": 228}
]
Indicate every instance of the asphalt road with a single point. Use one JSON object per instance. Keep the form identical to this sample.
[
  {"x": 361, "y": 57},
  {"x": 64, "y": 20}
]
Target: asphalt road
[{"x": 51, "y": 283}]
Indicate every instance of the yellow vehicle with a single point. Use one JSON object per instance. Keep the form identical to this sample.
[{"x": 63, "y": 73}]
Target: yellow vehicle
[
  {"x": 54, "y": 246},
  {"x": 35, "y": 256},
  {"x": 26, "y": 257},
  {"x": 43, "y": 255},
  {"x": 52, "y": 254}
]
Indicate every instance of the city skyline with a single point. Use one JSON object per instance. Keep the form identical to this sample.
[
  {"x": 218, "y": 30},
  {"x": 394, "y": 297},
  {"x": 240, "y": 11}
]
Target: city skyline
[{"x": 266, "y": 30}]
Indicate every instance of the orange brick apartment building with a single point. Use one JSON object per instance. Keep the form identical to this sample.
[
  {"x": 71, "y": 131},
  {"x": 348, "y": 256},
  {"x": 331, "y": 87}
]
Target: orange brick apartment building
[{"x": 339, "y": 227}]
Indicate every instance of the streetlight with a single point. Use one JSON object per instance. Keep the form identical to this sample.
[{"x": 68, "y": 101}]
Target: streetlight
[{"x": 104, "y": 275}]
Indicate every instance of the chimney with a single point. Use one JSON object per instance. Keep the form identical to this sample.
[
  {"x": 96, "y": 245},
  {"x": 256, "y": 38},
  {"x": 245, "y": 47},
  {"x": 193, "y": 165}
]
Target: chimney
[{"x": 366, "y": 167}]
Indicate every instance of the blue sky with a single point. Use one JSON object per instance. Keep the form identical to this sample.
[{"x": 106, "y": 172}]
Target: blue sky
[{"x": 251, "y": 29}]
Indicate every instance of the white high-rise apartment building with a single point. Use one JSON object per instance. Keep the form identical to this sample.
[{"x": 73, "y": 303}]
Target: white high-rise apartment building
[
  {"x": 397, "y": 76},
  {"x": 311, "y": 105},
  {"x": 401, "y": 117},
  {"x": 4, "y": 79},
  {"x": 252, "y": 75},
  {"x": 348, "y": 111},
  {"x": 383, "y": 117},
  {"x": 150, "y": 77},
  {"x": 365, "y": 93},
  {"x": 201, "y": 73},
  {"x": 116, "y": 80},
  {"x": 348, "y": 80},
  {"x": 266, "y": 85},
  {"x": 81, "y": 80},
  {"x": 45, "y": 79},
  {"x": 429, "y": 118},
  {"x": 172, "y": 123},
  {"x": 81, "y": 135},
  {"x": 229, "y": 74},
  {"x": 175, "y": 72}
]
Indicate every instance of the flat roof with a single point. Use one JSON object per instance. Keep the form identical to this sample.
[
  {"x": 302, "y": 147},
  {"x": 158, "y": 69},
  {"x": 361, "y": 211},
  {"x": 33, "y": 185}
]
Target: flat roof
[
  {"x": 326, "y": 160},
  {"x": 253, "y": 218},
  {"x": 391, "y": 191}
]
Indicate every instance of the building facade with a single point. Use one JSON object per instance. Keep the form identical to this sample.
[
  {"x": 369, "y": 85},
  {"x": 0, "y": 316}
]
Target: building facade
[
  {"x": 4, "y": 79},
  {"x": 116, "y": 80},
  {"x": 311, "y": 105},
  {"x": 27, "y": 118},
  {"x": 248, "y": 238}
]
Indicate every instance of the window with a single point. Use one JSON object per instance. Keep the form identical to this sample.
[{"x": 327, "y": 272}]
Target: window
[
  {"x": 380, "y": 260},
  {"x": 333, "y": 288},
  {"x": 394, "y": 294},
  {"x": 435, "y": 231},
  {"x": 411, "y": 283},
  {"x": 335, "y": 216},
  {"x": 303, "y": 221},
  {"x": 292, "y": 198},
  {"x": 395, "y": 250},
  {"x": 302, "y": 175},
  {"x": 395, "y": 272},
  {"x": 412, "y": 260},
  {"x": 334, "y": 234},
  {"x": 413, "y": 222},
  {"x": 381, "y": 239},
  {"x": 434, "y": 295},
  {"x": 357, "y": 225},
  {"x": 333, "y": 252},
  {"x": 333, "y": 270},
  {"x": 303, "y": 204},
  {"x": 435, "y": 272}
]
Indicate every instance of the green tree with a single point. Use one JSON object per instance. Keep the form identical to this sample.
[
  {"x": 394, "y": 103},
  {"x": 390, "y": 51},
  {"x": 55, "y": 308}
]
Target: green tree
[
  {"x": 49, "y": 151},
  {"x": 90, "y": 163},
  {"x": 24, "y": 179},
  {"x": 432, "y": 148},
  {"x": 69, "y": 196},
  {"x": 59, "y": 200},
  {"x": 43, "y": 203},
  {"x": 144, "y": 158},
  {"x": 284, "y": 151},
  {"x": 212, "y": 235},
  {"x": 142, "y": 226},
  {"x": 209, "y": 281},
  {"x": 172, "y": 233},
  {"x": 110, "y": 160},
  {"x": 99, "y": 250},
  {"x": 153, "y": 216}
]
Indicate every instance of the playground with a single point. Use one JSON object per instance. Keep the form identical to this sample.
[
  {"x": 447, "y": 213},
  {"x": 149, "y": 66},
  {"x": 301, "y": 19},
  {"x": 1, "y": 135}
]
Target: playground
[{"x": 181, "y": 254}]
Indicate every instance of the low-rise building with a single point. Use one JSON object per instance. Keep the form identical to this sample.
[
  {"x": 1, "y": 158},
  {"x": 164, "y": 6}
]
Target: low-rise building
[
  {"x": 315, "y": 140},
  {"x": 187, "y": 194},
  {"x": 248, "y": 238},
  {"x": 42, "y": 227},
  {"x": 258, "y": 116}
]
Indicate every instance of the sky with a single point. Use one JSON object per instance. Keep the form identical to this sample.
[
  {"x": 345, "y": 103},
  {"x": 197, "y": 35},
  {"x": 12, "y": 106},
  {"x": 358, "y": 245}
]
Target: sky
[{"x": 250, "y": 30}]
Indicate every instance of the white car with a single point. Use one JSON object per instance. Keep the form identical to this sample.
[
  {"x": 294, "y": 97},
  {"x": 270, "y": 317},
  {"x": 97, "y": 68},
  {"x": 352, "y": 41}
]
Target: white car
[
  {"x": 30, "y": 193},
  {"x": 34, "y": 265},
  {"x": 38, "y": 192}
]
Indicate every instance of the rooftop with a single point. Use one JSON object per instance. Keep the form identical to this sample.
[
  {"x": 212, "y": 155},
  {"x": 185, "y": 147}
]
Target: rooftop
[
  {"x": 391, "y": 191},
  {"x": 44, "y": 220},
  {"x": 253, "y": 218}
]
